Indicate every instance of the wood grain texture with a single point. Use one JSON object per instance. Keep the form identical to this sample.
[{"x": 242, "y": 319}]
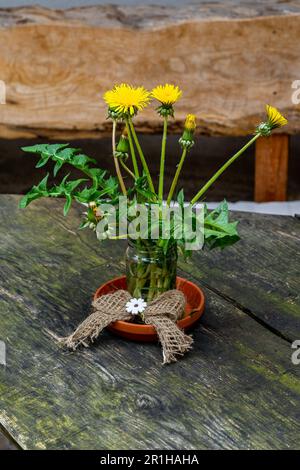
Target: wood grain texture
[
  {"x": 271, "y": 168},
  {"x": 229, "y": 60},
  {"x": 236, "y": 389},
  {"x": 260, "y": 274}
]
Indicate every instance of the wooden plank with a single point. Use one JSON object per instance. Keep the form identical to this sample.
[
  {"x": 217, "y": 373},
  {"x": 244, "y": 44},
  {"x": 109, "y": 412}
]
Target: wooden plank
[
  {"x": 260, "y": 273},
  {"x": 226, "y": 394},
  {"x": 54, "y": 93},
  {"x": 236, "y": 389},
  {"x": 271, "y": 168}
]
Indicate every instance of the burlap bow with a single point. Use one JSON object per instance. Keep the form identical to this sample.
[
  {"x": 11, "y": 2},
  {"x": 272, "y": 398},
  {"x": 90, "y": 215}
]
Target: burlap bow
[{"x": 162, "y": 313}]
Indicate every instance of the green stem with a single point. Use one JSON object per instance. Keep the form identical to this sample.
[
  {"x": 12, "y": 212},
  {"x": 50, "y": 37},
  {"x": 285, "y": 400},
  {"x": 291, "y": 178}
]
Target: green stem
[
  {"x": 127, "y": 169},
  {"x": 142, "y": 157},
  {"x": 132, "y": 151},
  {"x": 222, "y": 169},
  {"x": 162, "y": 160},
  {"x": 116, "y": 161},
  {"x": 175, "y": 179}
]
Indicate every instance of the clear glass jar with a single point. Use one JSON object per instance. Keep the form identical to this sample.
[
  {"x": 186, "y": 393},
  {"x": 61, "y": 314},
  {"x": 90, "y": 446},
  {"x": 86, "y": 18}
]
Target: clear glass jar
[{"x": 150, "y": 271}]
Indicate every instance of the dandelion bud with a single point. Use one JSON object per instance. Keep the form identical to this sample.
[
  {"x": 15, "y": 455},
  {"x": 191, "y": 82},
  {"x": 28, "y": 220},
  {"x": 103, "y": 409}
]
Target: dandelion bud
[
  {"x": 187, "y": 139},
  {"x": 122, "y": 150},
  {"x": 190, "y": 122}
]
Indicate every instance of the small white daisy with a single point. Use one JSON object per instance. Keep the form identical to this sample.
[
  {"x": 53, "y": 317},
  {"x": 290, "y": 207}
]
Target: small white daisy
[{"x": 135, "y": 306}]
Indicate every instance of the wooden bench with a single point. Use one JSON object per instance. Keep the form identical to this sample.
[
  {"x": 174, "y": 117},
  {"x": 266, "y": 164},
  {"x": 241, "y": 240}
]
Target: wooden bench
[{"x": 229, "y": 58}]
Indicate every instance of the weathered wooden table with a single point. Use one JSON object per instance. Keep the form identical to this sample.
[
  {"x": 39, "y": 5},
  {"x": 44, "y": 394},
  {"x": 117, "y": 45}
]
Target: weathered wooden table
[{"x": 238, "y": 388}]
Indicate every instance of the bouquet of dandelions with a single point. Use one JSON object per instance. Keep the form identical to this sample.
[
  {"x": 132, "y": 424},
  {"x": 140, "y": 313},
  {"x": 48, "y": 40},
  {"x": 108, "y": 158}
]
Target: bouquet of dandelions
[{"x": 118, "y": 209}]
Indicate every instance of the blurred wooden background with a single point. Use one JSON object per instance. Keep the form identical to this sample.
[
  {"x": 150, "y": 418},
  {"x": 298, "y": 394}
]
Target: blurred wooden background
[
  {"x": 229, "y": 63},
  {"x": 18, "y": 173},
  {"x": 229, "y": 57}
]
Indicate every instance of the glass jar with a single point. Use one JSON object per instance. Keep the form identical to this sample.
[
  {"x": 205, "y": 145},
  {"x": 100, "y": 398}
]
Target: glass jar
[{"x": 149, "y": 270}]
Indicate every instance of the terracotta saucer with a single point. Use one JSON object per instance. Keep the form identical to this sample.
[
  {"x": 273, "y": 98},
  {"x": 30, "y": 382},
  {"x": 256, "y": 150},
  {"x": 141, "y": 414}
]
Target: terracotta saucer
[{"x": 193, "y": 310}]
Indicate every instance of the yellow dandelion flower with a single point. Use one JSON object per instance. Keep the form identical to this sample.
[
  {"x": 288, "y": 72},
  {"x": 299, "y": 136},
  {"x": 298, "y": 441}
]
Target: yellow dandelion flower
[
  {"x": 125, "y": 99},
  {"x": 190, "y": 122},
  {"x": 275, "y": 118},
  {"x": 167, "y": 94}
]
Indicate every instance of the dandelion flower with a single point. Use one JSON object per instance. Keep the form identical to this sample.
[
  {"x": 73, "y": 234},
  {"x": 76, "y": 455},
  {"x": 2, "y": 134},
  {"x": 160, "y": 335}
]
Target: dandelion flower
[
  {"x": 275, "y": 118},
  {"x": 127, "y": 100},
  {"x": 167, "y": 94}
]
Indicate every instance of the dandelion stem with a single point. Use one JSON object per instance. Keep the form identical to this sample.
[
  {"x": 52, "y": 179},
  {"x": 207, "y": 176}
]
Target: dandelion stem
[
  {"x": 116, "y": 161},
  {"x": 222, "y": 169},
  {"x": 175, "y": 179},
  {"x": 132, "y": 151},
  {"x": 142, "y": 157},
  {"x": 162, "y": 160},
  {"x": 127, "y": 169}
]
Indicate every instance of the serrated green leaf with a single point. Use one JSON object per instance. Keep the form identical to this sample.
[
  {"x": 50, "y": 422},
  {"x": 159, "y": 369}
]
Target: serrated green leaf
[
  {"x": 39, "y": 148},
  {"x": 67, "y": 204},
  {"x": 141, "y": 186},
  {"x": 49, "y": 149},
  {"x": 43, "y": 160},
  {"x": 83, "y": 224},
  {"x": 110, "y": 183},
  {"x": 61, "y": 154},
  {"x": 23, "y": 202},
  {"x": 57, "y": 167},
  {"x": 42, "y": 186},
  {"x": 65, "y": 154},
  {"x": 72, "y": 185},
  {"x": 82, "y": 160},
  {"x": 35, "y": 192},
  {"x": 218, "y": 231},
  {"x": 97, "y": 176},
  {"x": 145, "y": 192},
  {"x": 87, "y": 195},
  {"x": 180, "y": 198},
  {"x": 52, "y": 149},
  {"x": 63, "y": 181}
]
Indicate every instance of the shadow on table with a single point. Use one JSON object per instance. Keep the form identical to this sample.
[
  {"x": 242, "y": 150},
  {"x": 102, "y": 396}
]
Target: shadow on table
[{"x": 5, "y": 444}]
